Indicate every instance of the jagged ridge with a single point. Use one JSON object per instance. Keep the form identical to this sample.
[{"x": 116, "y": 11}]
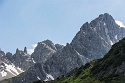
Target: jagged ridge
[{"x": 110, "y": 69}]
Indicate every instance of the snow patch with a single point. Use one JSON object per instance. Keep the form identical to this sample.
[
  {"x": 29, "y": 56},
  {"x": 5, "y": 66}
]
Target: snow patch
[
  {"x": 116, "y": 37},
  {"x": 48, "y": 76},
  {"x": 111, "y": 42},
  {"x": 3, "y": 73},
  {"x": 104, "y": 23},
  {"x": 11, "y": 68},
  {"x": 33, "y": 60},
  {"x": 10, "y": 72},
  {"x": 38, "y": 78},
  {"x": 120, "y": 23},
  {"x": 20, "y": 69}
]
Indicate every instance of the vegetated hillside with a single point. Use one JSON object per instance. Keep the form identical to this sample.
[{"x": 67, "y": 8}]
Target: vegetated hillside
[{"x": 110, "y": 69}]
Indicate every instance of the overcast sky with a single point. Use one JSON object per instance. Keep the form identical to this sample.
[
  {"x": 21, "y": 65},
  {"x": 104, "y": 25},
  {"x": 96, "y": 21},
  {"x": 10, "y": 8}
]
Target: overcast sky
[{"x": 26, "y": 22}]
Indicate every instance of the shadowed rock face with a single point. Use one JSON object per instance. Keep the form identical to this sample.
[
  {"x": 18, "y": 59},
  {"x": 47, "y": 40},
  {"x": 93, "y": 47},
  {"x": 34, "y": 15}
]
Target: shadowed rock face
[
  {"x": 64, "y": 61},
  {"x": 92, "y": 41}
]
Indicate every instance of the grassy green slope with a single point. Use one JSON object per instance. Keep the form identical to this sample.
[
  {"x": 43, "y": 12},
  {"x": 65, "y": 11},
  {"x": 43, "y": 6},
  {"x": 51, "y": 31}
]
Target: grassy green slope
[{"x": 83, "y": 75}]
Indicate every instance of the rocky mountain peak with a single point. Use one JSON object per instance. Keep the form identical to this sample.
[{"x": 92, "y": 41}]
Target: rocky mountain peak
[
  {"x": 25, "y": 50},
  {"x": 86, "y": 25},
  {"x": 45, "y": 50},
  {"x": 106, "y": 16},
  {"x": 9, "y": 56},
  {"x": 45, "y": 44},
  {"x": 49, "y": 43},
  {"x": 97, "y": 37},
  {"x": 17, "y": 51},
  {"x": 2, "y": 53},
  {"x": 58, "y": 46},
  {"x": 21, "y": 59},
  {"x": 103, "y": 20},
  {"x": 20, "y": 53}
]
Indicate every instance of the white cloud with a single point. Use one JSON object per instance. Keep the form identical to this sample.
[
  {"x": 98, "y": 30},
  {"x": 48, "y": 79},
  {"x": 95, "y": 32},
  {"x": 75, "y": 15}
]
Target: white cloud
[
  {"x": 31, "y": 50},
  {"x": 120, "y": 23},
  {"x": 34, "y": 45}
]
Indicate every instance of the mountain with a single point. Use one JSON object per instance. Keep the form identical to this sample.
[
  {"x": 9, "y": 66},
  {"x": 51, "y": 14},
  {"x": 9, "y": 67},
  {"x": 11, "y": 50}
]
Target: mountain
[
  {"x": 8, "y": 69},
  {"x": 96, "y": 38},
  {"x": 22, "y": 59},
  {"x": 45, "y": 50},
  {"x": 92, "y": 41},
  {"x": 110, "y": 69},
  {"x": 42, "y": 52},
  {"x": 13, "y": 64}
]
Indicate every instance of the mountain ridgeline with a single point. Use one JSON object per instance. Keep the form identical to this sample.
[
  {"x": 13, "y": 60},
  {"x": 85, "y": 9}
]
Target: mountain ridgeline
[
  {"x": 93, "y": 41},
  {"x": 13, "y": 64},
  {"x": 109, "y": 69}
]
